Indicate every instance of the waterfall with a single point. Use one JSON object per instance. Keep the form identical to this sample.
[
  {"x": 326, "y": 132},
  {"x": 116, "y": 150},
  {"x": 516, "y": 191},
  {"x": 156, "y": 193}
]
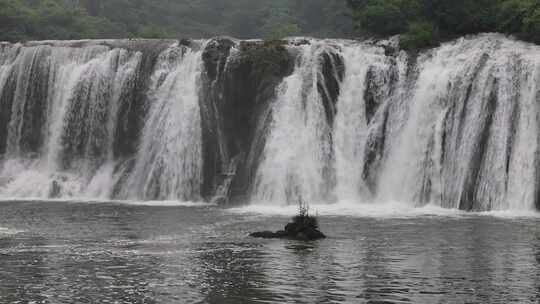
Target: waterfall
[
  {"x": 268, "y": 123},
  {"x": 298, "y": 146},
  {"x": 470, "y": 139},
  {"x": 62, "y": 117},
  {"x": 169, "y": 162},
  {"x": 368, "y": 81},
  {"x": 454, "y": 126},
  {"x": 64, "y": 106}
]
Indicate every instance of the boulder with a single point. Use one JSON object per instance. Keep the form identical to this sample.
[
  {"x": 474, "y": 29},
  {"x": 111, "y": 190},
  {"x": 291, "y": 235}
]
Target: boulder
[
  {"x": 293, "y": 231},
  {"x": 269, "y": 234},
  {"x": 55, "y": 189}
]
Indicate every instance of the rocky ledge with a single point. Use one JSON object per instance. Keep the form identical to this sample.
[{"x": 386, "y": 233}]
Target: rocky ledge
[{"x": 303, "y": 228}]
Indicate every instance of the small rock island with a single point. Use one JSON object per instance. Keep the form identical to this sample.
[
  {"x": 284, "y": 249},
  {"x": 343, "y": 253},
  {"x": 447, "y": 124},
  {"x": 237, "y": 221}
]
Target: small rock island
[{"x": 304, "y": 227}]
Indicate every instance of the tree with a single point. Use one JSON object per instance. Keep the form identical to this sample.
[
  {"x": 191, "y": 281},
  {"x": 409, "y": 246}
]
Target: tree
[
  {"x": 419, "y": 35},
  {"x": 531, "y": 26},
  {"x": 425, "y": 22},
  {"x": 93, "y": 7}
]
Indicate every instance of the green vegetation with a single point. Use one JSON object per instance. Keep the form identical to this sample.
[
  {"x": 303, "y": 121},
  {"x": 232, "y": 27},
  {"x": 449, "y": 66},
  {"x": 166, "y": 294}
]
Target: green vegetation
[
  {"x": 78, "y": 19},
  {"x": 47, "y": 19},
  {"x": 304, "y": 227},
  {"x": 419, "y": 35},
  {"x": 424, "y": 23},
  {"x": 304, "y": 219}
]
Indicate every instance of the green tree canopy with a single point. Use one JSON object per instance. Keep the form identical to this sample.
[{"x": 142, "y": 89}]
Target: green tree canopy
[
  {"x": 73, "y": 19},
  {"x": 424, "y": 22}
]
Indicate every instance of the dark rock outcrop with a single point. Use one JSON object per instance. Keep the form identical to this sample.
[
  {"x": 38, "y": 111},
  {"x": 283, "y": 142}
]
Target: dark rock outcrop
[
  {"x": 302, "y": 228},
  {"x": 7, "y": 96},
  {"x": 55, "y": 189},
  {"x": 240, "y": 84},
  {"x": 374, "y": 152},
  {"x": 333, "y": 71},
  {"x": 134, "y": 102},
  {"x": 215, "y": 152},
  {"x": 468, "y": 200},
  {"x": 270, "y": 235},
  {"x": 294, "y": 233}
]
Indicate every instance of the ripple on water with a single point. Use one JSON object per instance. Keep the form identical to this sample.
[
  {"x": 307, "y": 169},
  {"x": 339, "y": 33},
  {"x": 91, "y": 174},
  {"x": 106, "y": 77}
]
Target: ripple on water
[
  {"x": 107, "y": 253},
  {"x": 9, "y": 231}
]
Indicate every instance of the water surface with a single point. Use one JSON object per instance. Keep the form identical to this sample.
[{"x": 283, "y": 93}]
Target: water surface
[{"x": 61, "y": 252}]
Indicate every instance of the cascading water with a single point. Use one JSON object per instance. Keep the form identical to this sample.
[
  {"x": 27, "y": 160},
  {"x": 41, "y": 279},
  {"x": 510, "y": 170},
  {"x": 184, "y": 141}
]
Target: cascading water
[
  {"x": 470, "y": 139},
  {"x": 367, "y": 84},
  {"x": 64, "y": 105},
  {"x": 298, "y": 146},
  {"x": 456, "y": 126},
  {"x": 61, "y": 122},
  {"x": 169, "y": 162}
]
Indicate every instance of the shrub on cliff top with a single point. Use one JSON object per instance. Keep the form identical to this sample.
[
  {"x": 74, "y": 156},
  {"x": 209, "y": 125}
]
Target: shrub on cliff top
[{"x": 419, "y": 35}]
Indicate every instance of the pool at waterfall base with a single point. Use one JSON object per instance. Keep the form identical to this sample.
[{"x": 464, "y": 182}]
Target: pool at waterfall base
[{"x": 121, "y": 252}]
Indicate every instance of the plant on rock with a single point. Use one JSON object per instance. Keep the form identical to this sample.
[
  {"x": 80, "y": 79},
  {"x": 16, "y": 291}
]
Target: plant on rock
[{"x": 304, "y": 227}]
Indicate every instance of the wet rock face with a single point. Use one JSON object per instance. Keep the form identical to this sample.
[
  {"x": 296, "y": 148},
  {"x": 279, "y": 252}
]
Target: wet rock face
[
  {"x": 215, "y": 56},
  {"x": 333, "y": 71},
  {"x": 240, "y": 82},
  {"x": 214, "y": 149},
  {"x": 380, "y": 85},
  {"x": 303, "y": 231},
  {"x": 249, "y": 88},
  {"x": 6, "y": 104},
  {"x": 249, "y": 85},
  {"x": 374, "y": 153},
  {"x": 133, "y": 109},
  {"x": 55, "y": 189},
  {"x": 468, "y": 200}
]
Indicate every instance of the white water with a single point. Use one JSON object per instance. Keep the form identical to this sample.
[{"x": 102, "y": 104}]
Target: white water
[
  {"x": 454, "y": 128},
  {"x": 352, "y": 123},
  {"x": 169, "y": 162},
  {"x": 80, "y": 92},
  {"x": 8, "y": 232},
  {"x": 458, "y": 130},
  {"x": 297, "y": 147},
  {"x": 82, "y": 89},
  {"x": 469, "y": 96},
  {"x": 380, "y": 210}
]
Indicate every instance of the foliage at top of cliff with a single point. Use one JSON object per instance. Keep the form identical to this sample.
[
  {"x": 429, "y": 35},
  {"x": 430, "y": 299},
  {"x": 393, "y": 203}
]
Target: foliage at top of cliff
[
  {"x": 424, "y": 23},
  {"x": 77, "y": 19}
]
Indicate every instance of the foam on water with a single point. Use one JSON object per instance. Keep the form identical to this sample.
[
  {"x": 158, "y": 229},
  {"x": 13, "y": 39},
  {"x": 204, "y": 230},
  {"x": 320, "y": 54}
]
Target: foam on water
[
  {"x": 165, "y": 203},
  {"x": 8, "y": 231},
  {"x": 169, "y": 203},
  {"x": 510, "y": 214},
  {"x": 383, "y": 210}
]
